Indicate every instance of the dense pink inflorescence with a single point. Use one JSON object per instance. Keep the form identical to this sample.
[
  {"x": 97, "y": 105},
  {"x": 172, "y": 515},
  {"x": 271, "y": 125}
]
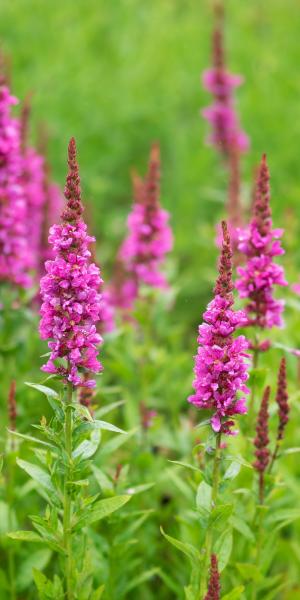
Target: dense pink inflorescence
[
  {"x": 150, "y": 237},
  {"x": 214, "y": 587},
  {"x": 15, "y": 260},
  {"x": 226, "y": 131},
  {"x": 260, "y": 244},
  {"x": 69, "y": 290},
  {"x": 220, "y": 365}
]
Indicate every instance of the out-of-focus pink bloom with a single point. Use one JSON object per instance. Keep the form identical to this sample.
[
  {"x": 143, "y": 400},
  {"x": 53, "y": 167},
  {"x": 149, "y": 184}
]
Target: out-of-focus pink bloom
[
  {"x": 295, "y": 287},
  {"x": 220, "y": 366},
  {"x": 69, "y": 290},
  {"x": 150, "y": 237},
  {"x": 107, "y": 312},
  {"x": 226, "y": 132},
  {"x": 147, "y": 416},
  {"x": 260, "y": 243},
  {"x": 33, "y": 185},
  {"x": 15, "y": 257}
]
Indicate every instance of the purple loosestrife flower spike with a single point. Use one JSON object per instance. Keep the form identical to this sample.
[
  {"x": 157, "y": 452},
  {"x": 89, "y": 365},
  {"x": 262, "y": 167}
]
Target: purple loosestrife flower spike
[
  {"x": 282, "y": 400},
  {"x": 14, "y": 251},
  {"x": 69, "y": 291},
  {"x": 150, "y": 237},
  {"x": 214, "y": 587},
  {"x": 220, "y": 365},
  {"x": 260, "y": 243},
  {"x": 221, "y": 114},
  {"x": 261, "y": 441}
]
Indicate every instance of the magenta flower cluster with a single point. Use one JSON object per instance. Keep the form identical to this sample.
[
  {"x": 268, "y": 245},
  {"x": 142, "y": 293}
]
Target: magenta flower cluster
[
  {"x": 69, "y": 290},
  {"x": 14, "y": 251},
  {"x": 260, "y": 244},
  {"x": 226, "y": 131},
  {"x": 220, "y": 364},
  {"x": 150, "y": 236}
]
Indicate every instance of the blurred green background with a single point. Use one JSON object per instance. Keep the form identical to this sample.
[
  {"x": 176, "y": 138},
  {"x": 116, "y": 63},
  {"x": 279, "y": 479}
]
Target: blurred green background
[{"x": 119, "y": 74}]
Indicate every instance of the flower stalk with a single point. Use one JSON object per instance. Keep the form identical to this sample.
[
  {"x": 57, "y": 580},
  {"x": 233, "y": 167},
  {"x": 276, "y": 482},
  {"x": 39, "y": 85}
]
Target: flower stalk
[{"x": 67, "y": 530}]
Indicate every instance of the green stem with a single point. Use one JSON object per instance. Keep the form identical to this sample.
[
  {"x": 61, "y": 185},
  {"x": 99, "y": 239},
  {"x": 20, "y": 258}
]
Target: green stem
[
  {"x": 67, "y": 531},
  {"x": 209, "y": 532},
  {"x": 258, "y": 551},
  {"x": 11, "y": 557},
  {"x": 274, "y": 457}
]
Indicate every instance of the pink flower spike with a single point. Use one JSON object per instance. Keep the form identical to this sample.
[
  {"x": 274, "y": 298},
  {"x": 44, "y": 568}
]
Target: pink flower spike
[
  {"x": 15, "y": 255},
  {"x": 259, "y": 242},
  {"x": 70, "y": 311},
  {"x": 220, "y": 364},
  {"x": 226, "y": 133},
  {"x": 150, "y": 237}
]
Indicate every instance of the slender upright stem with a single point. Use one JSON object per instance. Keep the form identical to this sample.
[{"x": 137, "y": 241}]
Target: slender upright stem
[
  {"x": 209, "y": 532},
  {"x": 10, "y": 552},
  {"x": 273, "y": 458},
  {"x": 67, "y": 496},
  {"x": 258, "y": 548}
]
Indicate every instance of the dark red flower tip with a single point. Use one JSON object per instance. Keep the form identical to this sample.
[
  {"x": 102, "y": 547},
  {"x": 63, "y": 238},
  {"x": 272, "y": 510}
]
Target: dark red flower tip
[
  {"x": 214, "y": 587},
  {"x": 74, "y": 208},
  {"x": 282, "y": 399},
  {"x": 261, "y": 441},
  {"x": 262, "y": 209},
  {"x": 224, "y": 284},
  {"x": 152, "y": 179}
]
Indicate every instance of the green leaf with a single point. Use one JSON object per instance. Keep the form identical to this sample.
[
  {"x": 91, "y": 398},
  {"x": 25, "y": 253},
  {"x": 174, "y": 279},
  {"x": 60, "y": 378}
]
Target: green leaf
[
  {"x": 30, "y": 438},
  {"x": 98, "y": 593},
  {"x": 136, "y": 581},
  {"x": 294, "y": 450},
  {"x": 106, "y": 409},
  {"x": 233, "y": 470},
  {"x": 190, "y": 593},
  {"x": 52, "y": 396},
  {"x": 92, "y": 425},
  {"x": 36, "y": 560},
  {"x": 220, "y": 514},
  {"x": 222, "y": 548},
  {"x": 116, "y": 442},
  {"x": 203, "y": 498},
  {"x": 38, "y": 474},
  {"x": 87, "y": 448},
  {"x": 138, "y": 489},
  {"x": 101, "y": 509},
  {"x": 47, "y": 589},
  {"x": 235, "y": 594},
  {"x": 103, "y": 481},
  {"x": 249, "y": 572},
  {"x": 242, "y": 527},
  {"x": 186, "y": 465},
  {"x": 187, "y": 549},
  {"x": 26, "y": 536},
  {"x": 289, "y": 514},
  {"x": 49, "y": 392}
]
